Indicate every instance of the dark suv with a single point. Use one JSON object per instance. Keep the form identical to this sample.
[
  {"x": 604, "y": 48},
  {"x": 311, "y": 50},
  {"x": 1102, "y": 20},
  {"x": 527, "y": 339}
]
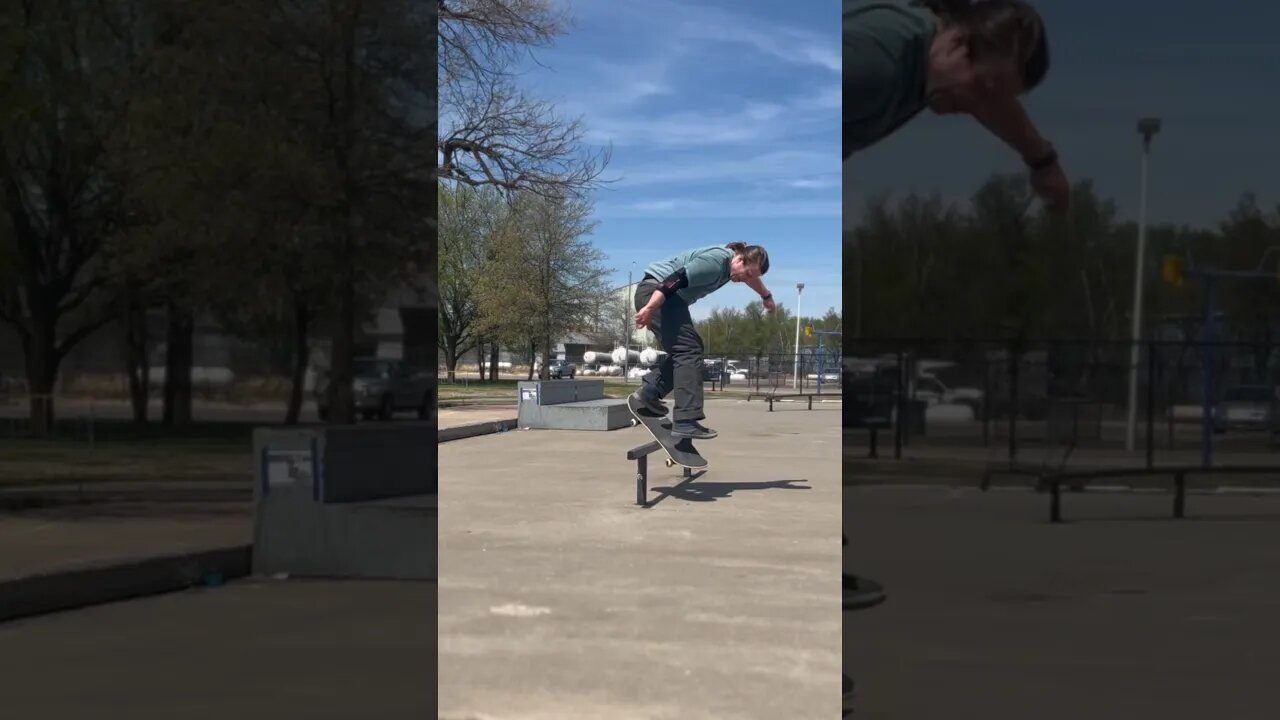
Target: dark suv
[
  {"x": 560, "y": 369},
  {"x": 382, "y": 388}
]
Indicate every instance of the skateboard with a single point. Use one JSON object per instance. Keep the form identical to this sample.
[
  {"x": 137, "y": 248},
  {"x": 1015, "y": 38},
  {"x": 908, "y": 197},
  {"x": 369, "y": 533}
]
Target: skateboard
[
  {"x": 859, "y": 592},
  {"x": 680, "y": 451}
]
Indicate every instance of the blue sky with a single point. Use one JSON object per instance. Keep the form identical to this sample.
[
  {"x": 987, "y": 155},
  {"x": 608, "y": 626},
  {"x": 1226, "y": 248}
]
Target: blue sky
[
  {"x": 724, "y": 119},
  {"x": 1211, "y": 71}
]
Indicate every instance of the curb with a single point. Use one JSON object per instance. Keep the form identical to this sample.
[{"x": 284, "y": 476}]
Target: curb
[
  {"x": 35, "y": 498},
  {"x": 459, "y": 432},
  {"x": 53, "y": 592}
]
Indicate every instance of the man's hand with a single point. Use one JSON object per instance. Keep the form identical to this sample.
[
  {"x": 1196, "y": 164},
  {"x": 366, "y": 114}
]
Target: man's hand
[
  {"x": 1008, "y": 120},
  {"x": 644, "y": 317},
  {"x": 1051, "y": 184},
  {"x": 769, "y": 304}
]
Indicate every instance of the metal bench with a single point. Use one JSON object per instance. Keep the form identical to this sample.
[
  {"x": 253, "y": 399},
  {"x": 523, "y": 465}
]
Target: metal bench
[
  {"x": 771, "y": 397},
  {"x": 1078, "y": 478}
]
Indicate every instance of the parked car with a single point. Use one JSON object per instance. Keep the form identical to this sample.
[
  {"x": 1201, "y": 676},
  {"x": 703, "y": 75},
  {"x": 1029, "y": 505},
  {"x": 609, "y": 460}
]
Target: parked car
[
  {"x": 868, "y": 401},
  {"x": 713, "y": 371},
  {"x": 560, "y": 369},
  {"x": 382, "y": 388},
  {"x": 931, "y": 389},
  {"x": 1245, "y": 407}
]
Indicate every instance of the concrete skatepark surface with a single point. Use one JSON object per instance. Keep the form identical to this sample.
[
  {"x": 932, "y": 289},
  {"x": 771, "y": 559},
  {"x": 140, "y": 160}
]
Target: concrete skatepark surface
[
  {"x": 252, "y": 649},
  {"x": 560, "y": 598},
  {"x": 470, "y": 414},
  {"x": 1120, "y": 613},
  {"x": 69, "y": 537}
]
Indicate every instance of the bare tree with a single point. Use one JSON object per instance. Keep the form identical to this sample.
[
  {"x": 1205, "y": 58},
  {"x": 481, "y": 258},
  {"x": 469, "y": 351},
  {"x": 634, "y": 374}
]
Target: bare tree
[
  {"x": 67, "y": 72},
  {"x": 490, "y": 132}
]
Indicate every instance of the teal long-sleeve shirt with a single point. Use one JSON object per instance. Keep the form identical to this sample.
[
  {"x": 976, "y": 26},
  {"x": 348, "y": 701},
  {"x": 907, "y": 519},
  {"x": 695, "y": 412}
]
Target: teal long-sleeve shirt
[
  {"x": 707, "y": 269},
  {"x": 886, "y": 60}
]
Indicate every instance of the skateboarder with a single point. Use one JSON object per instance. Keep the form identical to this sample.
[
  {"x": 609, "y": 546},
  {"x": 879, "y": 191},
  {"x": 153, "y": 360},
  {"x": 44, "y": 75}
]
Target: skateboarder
[
  {"x": 969, "y": 57},
  {"x": 663, "y": 298}
]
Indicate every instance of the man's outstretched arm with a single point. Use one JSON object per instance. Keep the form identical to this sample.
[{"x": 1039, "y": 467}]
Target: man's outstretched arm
[
  {"x": 757, "y": 284},
  {"x": 1010, "y": 122}
]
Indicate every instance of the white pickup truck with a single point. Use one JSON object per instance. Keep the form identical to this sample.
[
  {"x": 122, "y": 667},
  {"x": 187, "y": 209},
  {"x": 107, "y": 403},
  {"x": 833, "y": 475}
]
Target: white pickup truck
[{"x": 931, "y": 389}]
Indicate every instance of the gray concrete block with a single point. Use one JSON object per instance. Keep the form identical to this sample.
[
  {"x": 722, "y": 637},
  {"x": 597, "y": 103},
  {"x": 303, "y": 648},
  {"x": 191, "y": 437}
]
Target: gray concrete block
[
  {"x": 346, "y": 502},
  {"x": 604, "y": 414},
  {"x": 385, "y": 540},
  {"x": 555, "y": 392}
]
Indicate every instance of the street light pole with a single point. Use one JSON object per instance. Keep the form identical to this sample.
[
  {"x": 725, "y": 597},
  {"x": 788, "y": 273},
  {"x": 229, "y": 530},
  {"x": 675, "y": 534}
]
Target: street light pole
[
  {"x": 799, "y": 289},
  {"x": 1147, "y": 127},
  {"x": 626, "y": 363}
]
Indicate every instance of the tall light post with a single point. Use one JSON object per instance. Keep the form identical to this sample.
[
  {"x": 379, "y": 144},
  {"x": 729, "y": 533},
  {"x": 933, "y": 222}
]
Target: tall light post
[
  {"x": 626, "y": 362},
  {"x": 799, "y": 289},
  {"x": 1147, "y": 127}
]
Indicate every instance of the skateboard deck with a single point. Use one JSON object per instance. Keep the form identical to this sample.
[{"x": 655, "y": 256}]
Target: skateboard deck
[
  {"x": 859, "y": 592},
  {"x": 680, "y": 451}
]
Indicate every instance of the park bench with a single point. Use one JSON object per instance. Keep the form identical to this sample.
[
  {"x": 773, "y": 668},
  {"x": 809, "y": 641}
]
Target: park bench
[{"x": 1077, "y": 480}]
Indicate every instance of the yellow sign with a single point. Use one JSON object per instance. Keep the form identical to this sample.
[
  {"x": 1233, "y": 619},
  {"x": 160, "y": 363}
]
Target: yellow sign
[
  {"x": 1175, "y": 270},
  {"x": 808, "y": 331}
]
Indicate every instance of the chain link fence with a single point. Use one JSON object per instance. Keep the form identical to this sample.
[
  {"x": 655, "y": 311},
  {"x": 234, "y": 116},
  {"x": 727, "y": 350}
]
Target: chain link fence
[{"x": 1084, "y": 402}]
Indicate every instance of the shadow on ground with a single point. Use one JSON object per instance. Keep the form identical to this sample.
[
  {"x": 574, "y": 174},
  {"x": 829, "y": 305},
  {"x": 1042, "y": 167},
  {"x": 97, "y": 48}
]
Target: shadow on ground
[{"x": 712, "y": 491}]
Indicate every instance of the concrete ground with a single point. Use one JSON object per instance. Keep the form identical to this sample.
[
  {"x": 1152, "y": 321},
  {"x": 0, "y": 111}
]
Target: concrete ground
[
  {"x": 560, "y": 598},
  {"x": 471, "y": 414},
  {"x": 253, "y": 649},
  {"x": 1120, "y": 613},
  {"x": 202, "y": 410},
  {"x": 70, "y": 537},
  {"x": 928, "y": 460}
]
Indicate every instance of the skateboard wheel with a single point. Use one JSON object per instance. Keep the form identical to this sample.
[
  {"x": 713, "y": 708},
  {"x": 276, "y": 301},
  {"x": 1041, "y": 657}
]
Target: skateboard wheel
[{"x": 670, "y": 462}]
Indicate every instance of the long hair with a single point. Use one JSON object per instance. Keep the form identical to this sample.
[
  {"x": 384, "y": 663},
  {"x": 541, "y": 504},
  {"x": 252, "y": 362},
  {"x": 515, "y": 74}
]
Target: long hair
[
  {"x": 1009, "y": 28},
  {"x": 751, "y": 254}
]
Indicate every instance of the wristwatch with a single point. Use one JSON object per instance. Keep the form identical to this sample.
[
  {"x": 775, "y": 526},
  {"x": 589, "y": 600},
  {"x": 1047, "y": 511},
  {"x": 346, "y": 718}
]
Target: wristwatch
[
  {"x": 1047, "y": 160},
  {"x": 766, "y": 297}
]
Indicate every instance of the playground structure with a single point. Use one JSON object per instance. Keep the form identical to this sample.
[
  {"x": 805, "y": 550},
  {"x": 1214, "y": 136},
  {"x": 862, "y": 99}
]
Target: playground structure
[
  {"x": 1210, "y": 277},
  {"x": 824, "y": 358},
  {"x": 821, "y": 355}
]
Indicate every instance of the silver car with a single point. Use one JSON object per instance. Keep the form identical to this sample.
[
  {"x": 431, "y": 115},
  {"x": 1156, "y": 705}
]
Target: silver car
[{"x": 1246, "y": 407}]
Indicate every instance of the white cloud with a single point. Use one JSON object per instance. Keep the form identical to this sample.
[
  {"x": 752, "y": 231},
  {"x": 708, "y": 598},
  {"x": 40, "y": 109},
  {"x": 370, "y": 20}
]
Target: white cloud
[
  {"x": 817, "y": 183},
  {"x": 768, "y": 168},
  {"x": 660, "y": 205},
  {"x": 755, "y": 121},
  {"x": 617, "y": 85},
  {"x": 799, "y": 47},
  {"x": 662, "y": 41},
  {"x": 721, "y": 209},
  {"x": 699, "y": 24}
]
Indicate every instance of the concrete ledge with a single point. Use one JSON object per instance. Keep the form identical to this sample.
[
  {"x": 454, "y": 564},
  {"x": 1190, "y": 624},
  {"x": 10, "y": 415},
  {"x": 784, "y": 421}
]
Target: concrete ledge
[
  {"x": 459, "y": 432},
  {"x": 53, "y": 592},
  {"x": 381, "y": 540}
]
